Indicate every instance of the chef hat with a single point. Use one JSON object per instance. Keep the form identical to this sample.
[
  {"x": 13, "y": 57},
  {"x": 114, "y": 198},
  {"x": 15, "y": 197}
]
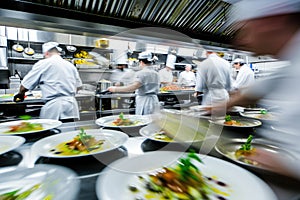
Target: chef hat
[
  {"x": 145, "y": 55},
  {"x": 238, "y": 60},
  {"x": 50, "y": 45},
  {"x": 250, "y": 9},
  {"x": 171, "y": 59}
]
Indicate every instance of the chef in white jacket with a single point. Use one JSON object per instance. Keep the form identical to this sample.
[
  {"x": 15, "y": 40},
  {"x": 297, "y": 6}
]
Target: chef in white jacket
[
  {"x": 166, "y": 74},
  {"x": 213, "y": 79},
  {"x": 58, "y": 80},
  {"x": 273, "y": 28},
  {"x": 245, "y": 76},
  {"x": 187, "y": 78},
  {"x": 145, "y": 85}
]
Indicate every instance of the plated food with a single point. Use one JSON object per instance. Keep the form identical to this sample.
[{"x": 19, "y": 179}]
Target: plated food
[
  {"x": 9, "y": 143},
  {"x": 21, "y": 127},
  {"x": 154, "y": 132},
  {"x": 177, "y": 175},
  {"x": 79, "y": 143},
  {"x": 231, "y": 121},
  {"x": 261, "y": 115},
  {"x": 44, "y": 182},
  {"x": 124, "y": 121},
  {"x": 237, "y": 150}
]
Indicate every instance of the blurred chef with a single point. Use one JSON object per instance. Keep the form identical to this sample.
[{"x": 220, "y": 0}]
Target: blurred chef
[
  {"x": 58, "y": 80},
  {"x": 245, "y": 76},
  {"x": 187, "y": 78},
  {"x": 122, "y": 75},
  {"x": 146, "y": 85},
  {"x": 273, "y": 28},
  {"x": 213, "y": 79},
  {"x": 165, "y": 74}
]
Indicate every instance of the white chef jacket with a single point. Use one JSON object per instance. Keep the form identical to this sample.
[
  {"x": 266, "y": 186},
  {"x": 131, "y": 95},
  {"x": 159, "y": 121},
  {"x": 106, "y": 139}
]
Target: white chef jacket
[
  {"x": 126, "y": 76},
  {"x": 244, "y": 78},
  {"x": 187, "y": 78},
  {"x": 58, "y": 80},
  {"x": 146, "y": 95},
  {"x": 214, "y": 79},
  {"x": 165, "y": 75},
  {"x": 283, "y": 91}
]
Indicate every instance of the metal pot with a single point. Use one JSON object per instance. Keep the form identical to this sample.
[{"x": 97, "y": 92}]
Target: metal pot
[{"x": 103, "y": 85}]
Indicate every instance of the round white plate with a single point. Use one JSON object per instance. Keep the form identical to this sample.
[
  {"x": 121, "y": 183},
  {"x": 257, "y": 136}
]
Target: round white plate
[
  {"x": 256, "y": 115},
  {"x": 245, "y": 123},
  {"x": 228, "y": 147},
  {"x": 9, "y": 143},
  {"x": 108, "y": 120},
  {"x": 150, "y": 131},
  {"x": 113, "y": 184},
  {"x": 113, "y": 139},
  {"x": 56, "y": 181},
  {"x": 46, "y": 123}
]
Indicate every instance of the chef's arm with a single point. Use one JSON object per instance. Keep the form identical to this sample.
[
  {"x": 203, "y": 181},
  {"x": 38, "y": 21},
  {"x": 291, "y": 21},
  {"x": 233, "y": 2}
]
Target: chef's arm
[
  {"x": 22, "y": 90},
  {"x": 241, "y": 99},
  {"x": 129, "y": 88}
]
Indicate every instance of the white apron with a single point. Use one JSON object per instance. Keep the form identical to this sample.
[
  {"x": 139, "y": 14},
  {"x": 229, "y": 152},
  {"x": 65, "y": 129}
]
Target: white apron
[{"x": 146, "y": 104}]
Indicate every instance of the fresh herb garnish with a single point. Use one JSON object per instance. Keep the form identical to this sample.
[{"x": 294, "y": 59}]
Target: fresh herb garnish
[
  {"x": 121, "y": 116},
  {"x": 227, "y": 118},
  {"x": 25, "y": 117},
  {"x": 83, "y": 137},
  {"x": 263, "y": 112},
  {"x": 247, "y": 146},
  {"x": 186, "y": 166}
]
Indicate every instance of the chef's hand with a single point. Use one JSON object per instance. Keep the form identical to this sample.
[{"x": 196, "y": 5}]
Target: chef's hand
[
  {"x": 19, "y": 97},
  {"x": 112, "y": 89}
]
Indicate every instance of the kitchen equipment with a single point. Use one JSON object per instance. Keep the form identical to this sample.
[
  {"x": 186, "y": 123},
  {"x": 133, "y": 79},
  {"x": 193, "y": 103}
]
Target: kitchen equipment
[
  {"x": 17, "y": 47},
  {"x": 71, "y": 48},
  {"x": 102, "y": 43},
  {"x": 102, "y": 85},
  {"x": 28, "y": 50}
]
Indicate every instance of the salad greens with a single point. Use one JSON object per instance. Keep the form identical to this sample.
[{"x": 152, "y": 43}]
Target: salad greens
[{"x": 227, "y": 118}]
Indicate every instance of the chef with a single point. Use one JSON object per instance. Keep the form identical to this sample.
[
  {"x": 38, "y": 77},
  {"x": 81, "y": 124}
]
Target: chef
[
  {"x": 187, "y": 78},
  {"x": 146, "y": 85},
  {"x": 165, "y": 74},
  {"x": 245, "y": 76},
  {"x": 58, "y": 80}
]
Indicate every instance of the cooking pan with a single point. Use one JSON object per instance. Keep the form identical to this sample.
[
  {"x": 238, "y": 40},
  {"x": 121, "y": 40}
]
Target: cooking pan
[
  {"x": 17, "y": 47},
  {"x": 71, "y": 48},
  {"x": 28, "y": 50}
]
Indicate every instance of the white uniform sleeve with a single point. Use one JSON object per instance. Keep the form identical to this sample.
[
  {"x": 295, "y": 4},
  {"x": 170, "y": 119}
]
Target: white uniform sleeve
[{"x": 32, "y": 79}]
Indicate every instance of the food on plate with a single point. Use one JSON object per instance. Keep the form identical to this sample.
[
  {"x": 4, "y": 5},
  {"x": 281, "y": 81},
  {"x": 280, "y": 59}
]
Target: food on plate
[
  {"x": 81, "y": 144},
  {"x": 246, "y": 149},
  {"x": 19, "y": 194},
  {"x": 229, "y": 121},
  {"x": 161, "y": 135},
  {"x": 170, "y": 88},
  {"x": 182, "y": 181},
  {"x": 25, "y": 127},
  {"x": 122, "y": 121}
]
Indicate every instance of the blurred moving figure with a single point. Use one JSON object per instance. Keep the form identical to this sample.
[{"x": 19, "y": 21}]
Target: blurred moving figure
[
  {"x": 245, "y": 76},
  {"x": 187, "y": 78},
  {"x": 122, "y": 75},
  {"x": 58, "y": 80},
  {"x": 213, "y": 79},
  {"x": 269, "y": 27},
  {"x": 146, "y": 85}
]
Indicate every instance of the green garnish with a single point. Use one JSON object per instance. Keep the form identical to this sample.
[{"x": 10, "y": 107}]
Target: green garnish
[
  {"x": 263, "y": 112},
  {"x": 247, "y": 146},
  {"x": 25, "y": 117},
  {"x": 227, "y": 118},
  {"x": 83, "y": 137},
  {"x": 121, "y": 116},
  {"x": 186, "y": 166}
]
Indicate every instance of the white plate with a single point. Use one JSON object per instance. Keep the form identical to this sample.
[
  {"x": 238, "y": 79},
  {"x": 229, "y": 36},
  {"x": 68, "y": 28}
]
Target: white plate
[
  {"x": 46, "y": 123},
  {"x": 59, "y": 182},
  {"x": 228, "y": 147},
  {"x": 108, "y": 120},
  {"x": 150, "y": 131},
  {"x": 9, "y": 143},
  {"x": 245, "y": 123},
  {"x": 256, "y": 115},
  {"x": 113, "y": 139},
  {"x": 113, "y": 184}
]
